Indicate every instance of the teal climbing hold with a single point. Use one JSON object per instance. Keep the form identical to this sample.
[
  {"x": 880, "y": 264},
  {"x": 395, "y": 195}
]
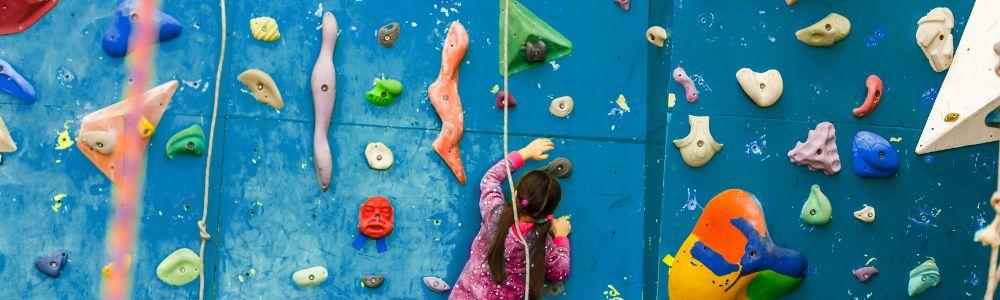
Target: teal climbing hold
[
  {"x": 384, "y": 92},
  {"x": 531, "y": 41},
  {"x": 817, "y": 209},
  {"x": 923, "y": 277},
  {"x": 188, "y": 141},
  {"x": 180, "y": 267}
]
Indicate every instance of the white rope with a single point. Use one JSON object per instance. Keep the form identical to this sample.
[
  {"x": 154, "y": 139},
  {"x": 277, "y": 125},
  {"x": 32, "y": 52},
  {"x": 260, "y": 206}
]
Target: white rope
[
  {"x": 208, "y": 156},
  {"x": 510, "y": 179}
]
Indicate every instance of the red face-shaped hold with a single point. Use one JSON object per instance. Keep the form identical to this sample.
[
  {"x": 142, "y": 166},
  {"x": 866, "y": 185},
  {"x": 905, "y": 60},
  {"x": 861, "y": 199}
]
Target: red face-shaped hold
[{"x": 375, "y": 219}]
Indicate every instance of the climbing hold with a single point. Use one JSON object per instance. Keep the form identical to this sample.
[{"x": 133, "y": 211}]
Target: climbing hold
[
  {"x": 873, "y": 156},
  {"x": 730, "y": 255},
  {"x": 698, "y": 147},
  {"x": 559, "y": 167},
  {"x": 324, "y": 92},
  {"x": 866, "y": 214},
  {"x": 554, "y": 289},
  {"x": 935, "y": 39},
  {"x": 21, "y": 14},
  {"x": 500, "y": 99},
  {"x": 63, "y": 141},
  {"x": 111, "y": 119},
  {"x": 624, "y": 4},
  {"x": 656, "y": 35},
  {"x": 690, "y": 90},
  {"x": 817, "y": 210},
  {"x": 379, "y": 156},
  {"x": 264, "y": 29},
  {"x": 101, "y": 141},
  {"x": 372, "y": 281},
  {"x": 874, "y": 85},
  {"x": 6, "y": 142},
  {"x": 375, "y": 221},
  {"x": 863, "y": 274},
  {"x": 180, "y": 267},
  {"x": 924, "y": 276},
  {"x": 531, "y": 41},
  {"x": 444, "y": 97},
  {"x": 622, "y": 103},
  {"x": 535, "y": 51},
  {"x": 826, "y": 32},
  {"x": 309, "y": 277},
  {"x": 436, "y": 284},
  {"x": 14, "y": 84},
  {"x": 790, "y": 2},
  {"x": 188, "y": 141},
  {"x": 146, "y": 129},
  {"x": 116, "y": 38},
  {"x": 262, "y": 87},
  {"x": 387, "y": 34},
  {"x": 384, "y": 92},
  {"x": 764, "y": 89},
  {"x": 819, "y": 152},
  {"x": 561, "y": 107},
  {"x": 951, "y": 117},
  {"x": 118, "y": 268},
  {"x": 52, "y": 265}
]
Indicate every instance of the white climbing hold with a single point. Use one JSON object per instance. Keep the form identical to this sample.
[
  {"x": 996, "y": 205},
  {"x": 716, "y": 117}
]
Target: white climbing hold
[
  {"x": 6, "y": 142},
  {"x": 935, "y": 39},
  {"x": 309, "y": 277},
  {"x": 764, "y": 89},
  {"x": 698, "y": 147},
  {"x": 866, "y": 214},
  {"x": 656, "y": 35},
  {"x": 379, "y": 156},
  {"x": 561, "y": 107},
  {"x": 101, "y": 141}
]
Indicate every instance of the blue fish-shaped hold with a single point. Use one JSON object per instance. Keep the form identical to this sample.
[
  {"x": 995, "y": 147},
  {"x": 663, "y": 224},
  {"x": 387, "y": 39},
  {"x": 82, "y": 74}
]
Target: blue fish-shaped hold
[
  {"x": 12, "y": 83},
  {"x": 116, "y": 38},
  {"x": 52, "y": 265},
  {"x": 873, "y": 156}
]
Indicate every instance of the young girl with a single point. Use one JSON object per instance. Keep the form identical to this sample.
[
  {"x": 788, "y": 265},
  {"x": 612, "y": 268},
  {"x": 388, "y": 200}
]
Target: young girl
[{"x": 496, "y": 268}]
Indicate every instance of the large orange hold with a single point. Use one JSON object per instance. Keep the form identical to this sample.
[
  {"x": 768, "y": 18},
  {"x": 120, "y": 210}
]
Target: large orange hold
[
  {"x": 17, "y": 15},
  {"x": 444, "y": 97}
]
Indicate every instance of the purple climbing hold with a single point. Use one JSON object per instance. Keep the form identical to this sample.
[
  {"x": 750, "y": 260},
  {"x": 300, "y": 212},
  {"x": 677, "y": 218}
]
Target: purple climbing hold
[
  {"x": 500, "y": 97},
  {"x": 819, "y": 152},
  {"x": 116, "y": 38},
  {"x": 52, "y": 265},
  {"x": 865, "y": 273},
  {"x": 624, "y": 4}
]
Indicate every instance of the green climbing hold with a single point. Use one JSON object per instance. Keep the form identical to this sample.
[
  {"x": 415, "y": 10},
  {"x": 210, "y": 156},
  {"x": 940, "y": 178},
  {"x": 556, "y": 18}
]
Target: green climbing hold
[
  {"x": 384, "y": 92},
  {"x": 771, "y": 285},
  {"x": 817, "y": 210},
  {"x": 187, "y": 141},
  {"x": 179, "y": 268},
  {"x": 923, "y": 277},
  {"x": 528, "y": 32}
]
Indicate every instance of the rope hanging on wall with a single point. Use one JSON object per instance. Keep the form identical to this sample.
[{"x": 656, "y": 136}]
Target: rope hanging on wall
[
  {"x": 510, "y": 180},
  {"x": 208, "y": 156}
]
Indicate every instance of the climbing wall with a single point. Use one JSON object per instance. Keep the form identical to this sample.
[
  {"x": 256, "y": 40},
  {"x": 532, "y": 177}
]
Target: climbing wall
[
  {"x": 930, "y": 209},
  {"x": 267, "y": 214}
]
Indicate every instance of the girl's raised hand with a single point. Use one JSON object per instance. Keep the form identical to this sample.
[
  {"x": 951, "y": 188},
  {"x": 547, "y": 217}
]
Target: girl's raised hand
[
  {"x": 536, "y": 149},
  {"x": 561, "y": 227}
]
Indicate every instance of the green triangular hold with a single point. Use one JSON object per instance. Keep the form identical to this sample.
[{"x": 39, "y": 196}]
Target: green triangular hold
[{"x": 525, "y": 27}]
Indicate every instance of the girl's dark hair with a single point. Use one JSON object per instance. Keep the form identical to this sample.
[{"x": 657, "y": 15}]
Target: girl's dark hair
[{"x": 543, "y": 194}]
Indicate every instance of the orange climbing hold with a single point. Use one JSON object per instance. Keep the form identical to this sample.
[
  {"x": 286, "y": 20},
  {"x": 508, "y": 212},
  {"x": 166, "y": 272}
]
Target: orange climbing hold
[
  {"x": 111, "y": 119},
  {"x": 874, "y": 96},
  {"x": 444, "y": 97}
]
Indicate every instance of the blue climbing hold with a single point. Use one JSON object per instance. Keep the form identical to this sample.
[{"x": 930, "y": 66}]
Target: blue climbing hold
[
  {"x": 14, "y": 84},
  {"x": 873, "y": 156},
  {"x": 116, "y": 38},
  {"x": 52, "y": 265},
  {"x": 993, "y": 118}
]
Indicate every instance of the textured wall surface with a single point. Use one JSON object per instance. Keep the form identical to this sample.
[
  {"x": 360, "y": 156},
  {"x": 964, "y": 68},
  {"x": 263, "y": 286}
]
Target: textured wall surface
[
  {"x": 267, "y": 214},
  {"x": 930, "y": 209}
]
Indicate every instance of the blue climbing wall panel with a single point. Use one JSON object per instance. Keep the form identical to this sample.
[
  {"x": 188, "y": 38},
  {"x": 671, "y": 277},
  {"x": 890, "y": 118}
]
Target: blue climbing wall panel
[
  {"x": 930, "y": 209},
  {"x": 267, "y": 214}
]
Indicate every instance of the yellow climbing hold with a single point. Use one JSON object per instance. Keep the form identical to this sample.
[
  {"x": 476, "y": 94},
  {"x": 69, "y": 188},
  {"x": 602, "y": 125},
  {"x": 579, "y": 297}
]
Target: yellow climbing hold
[
  {"x": 63, "y": 141},
  {"x": 668, "y": 260},
  {"x": 622, "y": 104},
  {"x": 496, "y": 88},
  {"x": 146, "y": 128},
  {"x": 671, "y": 100},
  {"x": 264, "y": 29},
  {"x": 118, "y": 268}
]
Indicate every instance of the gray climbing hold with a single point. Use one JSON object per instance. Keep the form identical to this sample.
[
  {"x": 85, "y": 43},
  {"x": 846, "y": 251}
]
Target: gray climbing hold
[
  {"x": 309, "y": 277},
  {"x": 387, "y": 34},
  {"x": 436, "y": 284},
  {"x": 372, "y": 281},
  {"x": 554, "y": 289},
  {"x": 559, "y": 167},
  {"x": 535, "y": 52},
  {"x": 561, "y": 107}
]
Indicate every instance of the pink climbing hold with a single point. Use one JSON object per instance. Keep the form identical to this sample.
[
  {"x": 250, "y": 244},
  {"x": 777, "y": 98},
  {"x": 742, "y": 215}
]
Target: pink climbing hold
[
  {"x": 624, "y": 4},
  {"x": 819, "y": 152},
  {"x": 500, "y": 101},
  {"x": 690, "y": 90}
]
